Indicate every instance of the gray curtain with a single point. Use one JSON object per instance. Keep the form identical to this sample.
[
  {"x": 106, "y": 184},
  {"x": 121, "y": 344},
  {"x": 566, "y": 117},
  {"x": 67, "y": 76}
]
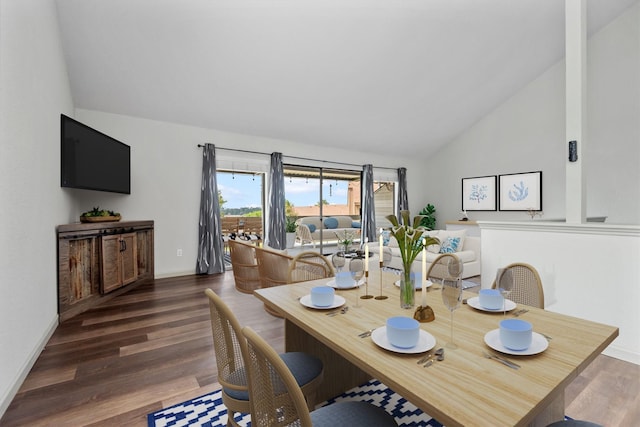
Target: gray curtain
[
  {"x": 210, "y": 245},
  {"x": 276, "y": 233},
  {"x": 368, "y": 208},
  {"x": 403, "y": 200}
]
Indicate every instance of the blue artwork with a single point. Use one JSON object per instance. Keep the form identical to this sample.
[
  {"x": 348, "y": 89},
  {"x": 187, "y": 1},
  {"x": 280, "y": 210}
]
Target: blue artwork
[
  {"x": 519, "y": 192},
  {"x": 479, "y": 192}
]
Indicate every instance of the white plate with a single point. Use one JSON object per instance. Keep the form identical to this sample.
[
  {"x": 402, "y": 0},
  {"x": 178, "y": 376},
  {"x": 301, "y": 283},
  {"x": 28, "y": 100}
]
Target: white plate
[
  {"x": 332, "y": 283},
  {"x": 475, "y": 303},
  {"x": 538, "y": 344},
  {"x": 426, "y": 342},
  {"x": 418, "y": 286},
  {"x": 338, "y": 301}
]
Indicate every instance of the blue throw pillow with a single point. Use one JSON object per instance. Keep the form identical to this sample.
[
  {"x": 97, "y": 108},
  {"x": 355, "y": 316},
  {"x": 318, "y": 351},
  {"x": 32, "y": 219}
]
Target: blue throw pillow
[
  {"x": 312, "y": 227},
  {"x": 449, "y": 245},
  {"x": 386, "y": 236},
  {"x": 330, "y": 223},
  {"x": 355, "y": 224}
]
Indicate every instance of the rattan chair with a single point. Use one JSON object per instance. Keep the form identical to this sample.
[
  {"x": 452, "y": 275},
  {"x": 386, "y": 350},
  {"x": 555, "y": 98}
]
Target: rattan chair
[
  {"x": 273, "y": 267},
  {"x": 527, "y": 286},
  {"x": 445, "y": 267},
  {"x": 245, "y": 267},
  {"x": 230, "y": 353},
  {"x": 303, "y": 235},
  {"x": 276, "y": 399},
  {"x": 309, "y": 265}
]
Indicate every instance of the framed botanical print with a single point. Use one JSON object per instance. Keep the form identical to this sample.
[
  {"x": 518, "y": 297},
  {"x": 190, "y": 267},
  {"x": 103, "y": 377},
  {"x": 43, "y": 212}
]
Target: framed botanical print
[
  {"x": 521, "y": 191},
  {"x": 479, "y": 193}
]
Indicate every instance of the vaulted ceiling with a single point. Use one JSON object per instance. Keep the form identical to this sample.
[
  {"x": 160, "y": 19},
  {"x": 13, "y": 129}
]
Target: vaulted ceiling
[{"x": 401, "y": 76}]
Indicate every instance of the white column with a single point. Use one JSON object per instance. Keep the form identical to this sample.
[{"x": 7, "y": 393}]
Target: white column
[{"x": 576, "y": 106}]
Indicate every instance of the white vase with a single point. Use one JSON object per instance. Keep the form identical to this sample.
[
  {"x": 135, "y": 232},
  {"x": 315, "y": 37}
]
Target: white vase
[{"x": 291, "y": 240}]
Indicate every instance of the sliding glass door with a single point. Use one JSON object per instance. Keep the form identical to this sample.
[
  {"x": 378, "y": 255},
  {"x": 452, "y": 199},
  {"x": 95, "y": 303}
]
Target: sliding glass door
[{"x": 321, "y": 193}]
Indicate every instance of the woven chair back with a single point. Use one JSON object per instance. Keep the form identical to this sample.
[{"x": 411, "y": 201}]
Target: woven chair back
[
  {"x": 309, "y": 265},
  {"x": 276, "y": 398},
  {"x": 245, "y": 267},
  {"x": 527, "y": 285},
  {"x": 303, "y": 235},
  {"x": 228, "y": 343},
  {"x": 273, "y": 267},
  {"x": 445, "y": 267}
]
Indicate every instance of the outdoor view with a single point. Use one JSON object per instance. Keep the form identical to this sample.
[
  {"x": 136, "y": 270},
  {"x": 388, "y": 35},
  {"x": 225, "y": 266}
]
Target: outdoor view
[{"x": 242, "y": 194}]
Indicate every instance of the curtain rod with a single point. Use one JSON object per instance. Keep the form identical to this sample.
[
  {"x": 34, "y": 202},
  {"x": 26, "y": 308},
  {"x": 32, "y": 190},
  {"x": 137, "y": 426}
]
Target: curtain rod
[{"x": 297, "y": 158}]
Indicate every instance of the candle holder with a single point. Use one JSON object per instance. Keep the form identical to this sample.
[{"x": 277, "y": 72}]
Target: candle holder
[
  {"x": 381, "y": 297},
  {"x": 424, "y": 314},
  {"x": 366, "y": 286}
]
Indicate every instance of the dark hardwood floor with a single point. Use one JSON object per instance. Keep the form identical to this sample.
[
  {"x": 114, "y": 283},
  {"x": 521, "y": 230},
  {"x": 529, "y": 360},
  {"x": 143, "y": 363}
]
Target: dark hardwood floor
[{"x": 151, "y": 348}]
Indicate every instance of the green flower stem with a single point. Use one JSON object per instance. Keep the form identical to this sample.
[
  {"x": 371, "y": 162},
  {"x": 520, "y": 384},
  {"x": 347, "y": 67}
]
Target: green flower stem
[
  {"x": 410, "y": 243},
  {"x": 407, "y": 290}
]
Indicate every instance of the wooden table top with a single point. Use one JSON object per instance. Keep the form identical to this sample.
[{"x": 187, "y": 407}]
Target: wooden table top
[{"x": 466, "y": 388}]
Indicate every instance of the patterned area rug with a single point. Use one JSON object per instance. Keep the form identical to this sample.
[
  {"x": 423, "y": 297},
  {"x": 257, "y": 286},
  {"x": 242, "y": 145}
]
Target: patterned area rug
[
  {"x": 227, "y": 262},
  {"x": 208, "y": 410}
]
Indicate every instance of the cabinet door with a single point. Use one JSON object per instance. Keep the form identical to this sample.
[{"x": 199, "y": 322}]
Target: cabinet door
[
  {"x": 145, "y": 254},
  {"x": 80, "y": 273},
  {"x": 128, "y": 258},
  {"x": 111, "y": 263}
]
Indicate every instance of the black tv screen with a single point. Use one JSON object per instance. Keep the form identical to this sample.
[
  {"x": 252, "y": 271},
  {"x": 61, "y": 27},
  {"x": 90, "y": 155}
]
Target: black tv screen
[{"x": 92, "y": 160}]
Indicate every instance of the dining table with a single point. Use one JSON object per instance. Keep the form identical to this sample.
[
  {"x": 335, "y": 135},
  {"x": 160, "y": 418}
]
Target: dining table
[{"x": 466, "y": 388}]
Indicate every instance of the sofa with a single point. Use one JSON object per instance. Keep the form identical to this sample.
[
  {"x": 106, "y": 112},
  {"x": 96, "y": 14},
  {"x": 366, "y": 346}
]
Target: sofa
[
  {"x": 310, "y": 227},
  {"x": 467, "y": 249}
]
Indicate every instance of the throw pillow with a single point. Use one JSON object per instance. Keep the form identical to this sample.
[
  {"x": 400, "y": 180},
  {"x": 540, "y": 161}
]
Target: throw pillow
[
  {"x": 330, "y": 223},
  {"x": 355, "y": 224},
  {"x": 460, "y": 234},
  {"x": 386, "y": 235},
  {"x": 449, "y": 245},
  {"x": 312, "y": 227}
]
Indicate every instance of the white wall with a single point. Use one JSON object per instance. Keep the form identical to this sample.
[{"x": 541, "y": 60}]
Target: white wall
[
  {"x": 527, "y": 133},
  {"x": 34, "y": 90},
  {"x": 166, "y": 168}
]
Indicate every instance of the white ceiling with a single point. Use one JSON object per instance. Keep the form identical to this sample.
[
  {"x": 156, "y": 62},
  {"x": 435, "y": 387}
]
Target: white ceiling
[{"x": 379, "y": 75}]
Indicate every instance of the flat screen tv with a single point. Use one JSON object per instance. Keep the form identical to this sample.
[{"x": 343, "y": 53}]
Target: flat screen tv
[{"x": 92, "y": 160}]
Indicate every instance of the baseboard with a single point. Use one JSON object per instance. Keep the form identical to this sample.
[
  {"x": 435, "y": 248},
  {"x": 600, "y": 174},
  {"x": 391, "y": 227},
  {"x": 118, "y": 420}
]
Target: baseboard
[
  {"x": 5, "y": 401},
  {"x": 622, "y": 354},
  {"x": 174, "y": 274}
]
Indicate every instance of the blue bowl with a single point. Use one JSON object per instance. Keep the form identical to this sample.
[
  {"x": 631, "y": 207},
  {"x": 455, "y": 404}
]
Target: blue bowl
[
  {"x": 344, "y": 279},
  {"x": 516, "y": 334},
  {"x": 322, "y": 296},
  {"x": 490, "y": 299},
  {"x": 403, "y": 332}
]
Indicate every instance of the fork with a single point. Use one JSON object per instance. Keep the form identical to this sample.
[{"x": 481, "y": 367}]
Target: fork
[
  {"x": 333, "y": 312},
  {"x": 502, "y": 360},
  {"x": 519, "y": 312},
  {"x": 366, "y": 333},
  {"x": 343, "y": 310}
]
